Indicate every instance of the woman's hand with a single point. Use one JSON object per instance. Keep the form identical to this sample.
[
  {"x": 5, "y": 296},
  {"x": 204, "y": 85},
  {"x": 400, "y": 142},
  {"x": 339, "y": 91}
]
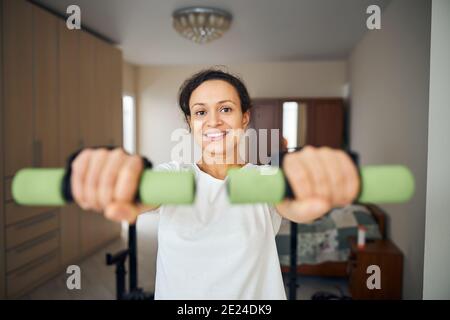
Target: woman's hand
[
  {"x": 320, "y": 178},
  {"x": 107, "y": 181}
]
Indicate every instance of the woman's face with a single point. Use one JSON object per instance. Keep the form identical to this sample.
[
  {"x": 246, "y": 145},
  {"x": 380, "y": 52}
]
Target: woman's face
[{"x": 216, "y": 119}]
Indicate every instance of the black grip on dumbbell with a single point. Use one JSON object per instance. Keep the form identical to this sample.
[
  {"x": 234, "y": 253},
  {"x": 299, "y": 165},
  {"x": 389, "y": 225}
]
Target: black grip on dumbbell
[
  {"x": 288, "y": 189},
  {"x": 66, "y": 185}
]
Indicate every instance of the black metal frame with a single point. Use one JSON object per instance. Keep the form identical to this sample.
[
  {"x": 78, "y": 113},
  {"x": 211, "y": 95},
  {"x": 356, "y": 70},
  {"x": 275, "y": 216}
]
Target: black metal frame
[
  {"x": 293, "y": 263},
  {"x": 119, "y": 259},
  {"x": 294, "y": 229}
]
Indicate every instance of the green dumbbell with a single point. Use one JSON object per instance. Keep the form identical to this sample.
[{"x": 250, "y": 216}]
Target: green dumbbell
[
  {"x": 46, "y": 187},
  {"x": 50, "y": 187},
  {"x": 379, "y": 184}
]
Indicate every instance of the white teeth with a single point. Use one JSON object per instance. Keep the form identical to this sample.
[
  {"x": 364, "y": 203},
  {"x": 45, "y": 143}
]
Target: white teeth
[{"x": 215, "y": 134}]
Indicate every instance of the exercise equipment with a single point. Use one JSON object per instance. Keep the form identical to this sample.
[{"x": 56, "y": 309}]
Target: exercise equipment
[
  {"x": 51, "y": 186},
  {"x": 379, "y": 184},
  {"x": 119, "y": 259}
]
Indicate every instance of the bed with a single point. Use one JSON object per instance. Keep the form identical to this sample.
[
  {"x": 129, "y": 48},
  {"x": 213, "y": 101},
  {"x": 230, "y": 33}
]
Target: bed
[{"x": 323, "y": 246}]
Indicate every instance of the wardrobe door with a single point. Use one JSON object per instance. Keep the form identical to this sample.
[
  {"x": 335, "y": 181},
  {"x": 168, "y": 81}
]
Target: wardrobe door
[
  {"x": 325, "y": 118},
  {"x": 89, "y": 126},
  {"x": 45, "y": 83},
  {"x": 3, "y": 184},
  {"x": 31, "y": 93},
  {"x": 108, "y": 95},
  {"x": 266, "y": 114},
  {"x": 116, "y": 97},
  {"x": 102, "y": 98},
  {"x": 109, "y": 72},
  {"x": 108, "y": 68},
  {"x": 17, "y": 85},
  {"x": 95, "y": 91},
  {"x": 96, "y": 124},
  {"x": 69, "y": 132}
]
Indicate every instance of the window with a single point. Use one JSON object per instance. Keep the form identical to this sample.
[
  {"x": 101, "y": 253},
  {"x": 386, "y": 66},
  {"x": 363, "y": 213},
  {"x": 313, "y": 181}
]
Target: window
[
  {"x": 290, "y": 123},
  {"x": 129, "y": 124}
]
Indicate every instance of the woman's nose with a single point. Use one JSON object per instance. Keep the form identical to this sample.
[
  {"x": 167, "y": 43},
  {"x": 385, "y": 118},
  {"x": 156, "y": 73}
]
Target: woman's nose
[{"x": 213, "y": 119}]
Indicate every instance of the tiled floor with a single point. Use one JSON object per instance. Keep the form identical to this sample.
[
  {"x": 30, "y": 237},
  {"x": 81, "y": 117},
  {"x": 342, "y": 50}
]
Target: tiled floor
[{"x": 98, "y": 279}]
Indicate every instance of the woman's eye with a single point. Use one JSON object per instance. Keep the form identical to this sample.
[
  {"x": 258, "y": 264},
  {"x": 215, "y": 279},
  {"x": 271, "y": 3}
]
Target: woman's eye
[
  {"x": 226, "y": 109},
  {"x": 200, "y": 113}
]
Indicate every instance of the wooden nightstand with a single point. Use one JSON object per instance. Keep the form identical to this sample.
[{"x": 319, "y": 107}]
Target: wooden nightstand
[{"x": 388, "y": 257}]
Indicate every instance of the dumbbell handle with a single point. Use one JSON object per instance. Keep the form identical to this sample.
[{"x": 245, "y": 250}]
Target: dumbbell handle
[
  {"x": 48, "y": 187},
  {"x": 51, "y": 187},
  {"x": 379, "y": 184}
]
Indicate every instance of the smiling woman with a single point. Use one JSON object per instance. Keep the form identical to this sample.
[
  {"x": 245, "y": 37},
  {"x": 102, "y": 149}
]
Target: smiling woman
[{"x": 214, "y": 249}]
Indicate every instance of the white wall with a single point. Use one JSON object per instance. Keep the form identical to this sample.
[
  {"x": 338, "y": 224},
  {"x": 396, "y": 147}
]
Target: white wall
[
  {"x": 158, "y": 88},
  {"x": 129, "y": 81},
  {"x": 389, "y": 77},
  {"x": 436, "y": 278}
]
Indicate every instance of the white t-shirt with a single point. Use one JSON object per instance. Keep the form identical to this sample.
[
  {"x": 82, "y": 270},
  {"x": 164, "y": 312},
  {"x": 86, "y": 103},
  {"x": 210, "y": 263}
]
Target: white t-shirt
[{"x": 214, "y": 250}]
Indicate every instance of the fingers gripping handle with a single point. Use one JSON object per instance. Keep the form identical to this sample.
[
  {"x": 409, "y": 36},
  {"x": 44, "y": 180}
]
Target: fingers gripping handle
[
  {"x": 379, "y": 184},
  {"x": 51, "y": 186},
  {"x": 44, "y": 187},
  {"x": 289, "y": 193}
]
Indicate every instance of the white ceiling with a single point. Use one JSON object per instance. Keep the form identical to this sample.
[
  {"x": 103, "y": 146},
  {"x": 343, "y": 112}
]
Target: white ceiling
[{"x": 262, "y": 30}]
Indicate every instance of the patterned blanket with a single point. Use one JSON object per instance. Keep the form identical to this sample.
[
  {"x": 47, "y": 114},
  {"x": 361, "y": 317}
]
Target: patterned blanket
[{"x": 326, "y": 239}]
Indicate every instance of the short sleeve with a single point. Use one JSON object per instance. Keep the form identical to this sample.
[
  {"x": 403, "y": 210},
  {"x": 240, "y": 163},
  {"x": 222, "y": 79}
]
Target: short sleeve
[
  {"x": 168, "y": 166},
  {"x": 275, "y": 218}
]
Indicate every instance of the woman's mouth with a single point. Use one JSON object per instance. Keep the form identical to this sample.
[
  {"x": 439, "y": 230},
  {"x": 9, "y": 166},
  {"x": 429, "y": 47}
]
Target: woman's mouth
[{"x": 214, "y": 135}]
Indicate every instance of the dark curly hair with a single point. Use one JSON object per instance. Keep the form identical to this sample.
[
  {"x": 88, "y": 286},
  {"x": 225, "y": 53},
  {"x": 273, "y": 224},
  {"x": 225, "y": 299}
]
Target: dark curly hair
[{"x": 190, "y": 84}]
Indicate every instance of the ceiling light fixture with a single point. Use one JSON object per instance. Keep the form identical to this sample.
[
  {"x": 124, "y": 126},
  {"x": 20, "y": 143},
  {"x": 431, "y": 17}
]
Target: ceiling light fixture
[{"x": 201, "y": 24}]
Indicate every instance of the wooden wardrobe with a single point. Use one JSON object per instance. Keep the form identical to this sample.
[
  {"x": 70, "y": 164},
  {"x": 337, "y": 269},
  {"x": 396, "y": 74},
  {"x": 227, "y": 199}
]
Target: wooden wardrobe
[
  {"x": 323, "y": 124},
  {"x": 60, "y": 90}
]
